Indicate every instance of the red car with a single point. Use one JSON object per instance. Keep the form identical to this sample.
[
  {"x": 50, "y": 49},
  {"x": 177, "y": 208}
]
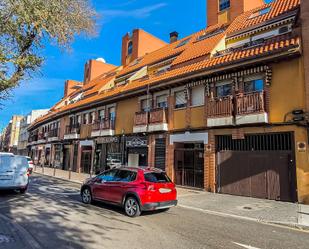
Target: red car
[{"x": 135, "y": 189}]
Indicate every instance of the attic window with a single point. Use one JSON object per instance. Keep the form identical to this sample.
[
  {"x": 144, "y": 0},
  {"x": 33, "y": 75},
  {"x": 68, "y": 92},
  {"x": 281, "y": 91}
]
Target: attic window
[
  {"x": 224, "y": 4},
  {"x": 260, "y": 12},
  {"x": 130, "y": 48},
  {"x": 182, "y": 43},
  {"x": 210, "y": 34}
]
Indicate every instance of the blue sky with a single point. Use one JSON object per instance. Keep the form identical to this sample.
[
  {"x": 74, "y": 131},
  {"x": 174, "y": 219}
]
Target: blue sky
[{"x": 158, "y": 17}]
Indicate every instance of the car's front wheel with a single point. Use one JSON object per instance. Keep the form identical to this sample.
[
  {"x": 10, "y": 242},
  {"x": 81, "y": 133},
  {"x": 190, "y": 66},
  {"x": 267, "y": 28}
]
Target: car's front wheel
[
  {"x": 131, "y": 207},
  {"x": 86, "y": 196}
]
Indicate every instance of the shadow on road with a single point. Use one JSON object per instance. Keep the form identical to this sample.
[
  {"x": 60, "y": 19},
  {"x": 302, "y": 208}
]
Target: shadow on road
[{"x": 60, "y": 221}]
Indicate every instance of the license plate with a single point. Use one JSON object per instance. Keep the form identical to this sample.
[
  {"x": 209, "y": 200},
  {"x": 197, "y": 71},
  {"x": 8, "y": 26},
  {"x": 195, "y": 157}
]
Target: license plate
[{"x": 164, "y": 190}]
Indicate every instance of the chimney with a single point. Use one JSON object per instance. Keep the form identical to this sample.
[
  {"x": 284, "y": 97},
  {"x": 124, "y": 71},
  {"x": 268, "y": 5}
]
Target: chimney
[{"x": 173, "y": 37}]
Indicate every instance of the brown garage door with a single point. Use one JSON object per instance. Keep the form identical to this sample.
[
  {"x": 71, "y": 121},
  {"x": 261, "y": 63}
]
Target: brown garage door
[{"x": 259, "y": 172}]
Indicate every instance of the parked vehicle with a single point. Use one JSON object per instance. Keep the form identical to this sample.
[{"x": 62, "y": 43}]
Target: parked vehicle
[
  {"x": 134, "y": 189},
  {"x": 113, "y": 163},
  {"x": 6, "y": 153},
  {"x": 14, "y": 173},
  {"x": 30, "y": 163}
]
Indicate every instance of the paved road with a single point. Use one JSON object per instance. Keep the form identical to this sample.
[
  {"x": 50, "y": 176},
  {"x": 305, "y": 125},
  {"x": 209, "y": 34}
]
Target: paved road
[{"x": 52, "y": 214}]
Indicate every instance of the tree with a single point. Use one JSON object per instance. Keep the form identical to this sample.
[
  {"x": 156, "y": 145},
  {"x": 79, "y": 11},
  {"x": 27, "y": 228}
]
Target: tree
[{"x": 26, "y": 25}]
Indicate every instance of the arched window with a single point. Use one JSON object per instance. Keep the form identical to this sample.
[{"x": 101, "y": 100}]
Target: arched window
[{"x": 130, "y": 48}]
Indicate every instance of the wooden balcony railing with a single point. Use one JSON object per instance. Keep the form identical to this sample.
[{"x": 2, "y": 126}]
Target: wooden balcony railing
[
  {"x": 85, "y": 130},
  {"x": 220, "y": 107},
  {"x": 33, "y": 138},
  {"x": 158, "y": 116},
  {"x": 72, "y": 129},
  {"x": 248, "y": 103},
  {"x": 141, "y": 118},
  {"x": 105, "y": 124},
  {"x": 41, "y": 136}
]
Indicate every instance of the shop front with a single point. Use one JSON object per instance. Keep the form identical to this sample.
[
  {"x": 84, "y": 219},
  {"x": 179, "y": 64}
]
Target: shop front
[
  {"x": 86, "y": 156},
  {"x": 109, "y": 153},
  {"x": 137, "y": 151}
]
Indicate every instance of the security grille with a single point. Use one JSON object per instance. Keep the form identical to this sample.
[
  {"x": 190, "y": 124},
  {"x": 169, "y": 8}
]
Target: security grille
[{"x": 258, "y": 142}]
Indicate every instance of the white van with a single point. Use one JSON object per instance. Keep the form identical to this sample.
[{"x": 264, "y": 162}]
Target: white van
[{"x": 14, "y": 173}]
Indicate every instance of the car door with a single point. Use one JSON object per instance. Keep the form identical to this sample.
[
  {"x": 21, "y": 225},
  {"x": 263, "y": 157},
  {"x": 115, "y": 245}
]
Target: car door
[
  {"x": 7, "y": 171},
  {"x": 122, "y": 181},
  {"x": 100, "y": 186}
]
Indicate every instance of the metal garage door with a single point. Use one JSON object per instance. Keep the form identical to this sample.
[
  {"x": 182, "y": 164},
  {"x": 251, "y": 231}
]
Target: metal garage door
[
  {"x": 260, "y": 166},
  {"x": 160, "y": 152}
]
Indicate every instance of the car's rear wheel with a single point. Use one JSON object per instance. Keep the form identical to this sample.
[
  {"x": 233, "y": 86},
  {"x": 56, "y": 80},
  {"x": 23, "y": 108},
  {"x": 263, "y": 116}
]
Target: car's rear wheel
[
  {"x": 86, "y": 196},
  {"x": 23, "y": 190},
  {"x": 131, "y": 207}
]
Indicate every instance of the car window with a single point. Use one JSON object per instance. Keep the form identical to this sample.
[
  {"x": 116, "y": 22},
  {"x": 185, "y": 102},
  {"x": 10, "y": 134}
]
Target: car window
[
  {"x": 108, "y": 176},
  {"x": 156, "y": 177},
  {"x": 125, "y": 176}
]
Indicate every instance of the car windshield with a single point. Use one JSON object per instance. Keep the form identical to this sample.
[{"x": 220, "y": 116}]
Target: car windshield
[{"x": 156, "y": 177}]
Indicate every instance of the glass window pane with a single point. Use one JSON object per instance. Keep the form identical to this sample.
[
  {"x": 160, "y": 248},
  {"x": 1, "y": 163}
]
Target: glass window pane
[
  {"x": 156, "y": 177},
  {"x": 125, "y": 176},
  {"x": 161, "y": 101},
  {"x": 259, "y": 85},
  {"x": 180, "y": 99},
  {"x": 108, "y": 176},
  {"x": 224, "y": 90}
]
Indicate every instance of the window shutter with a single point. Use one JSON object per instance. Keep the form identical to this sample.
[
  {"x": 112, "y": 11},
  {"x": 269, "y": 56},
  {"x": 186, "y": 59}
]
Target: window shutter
[
  {"x": 198, "y": 95},
  {"x": 180, "y": 98}
]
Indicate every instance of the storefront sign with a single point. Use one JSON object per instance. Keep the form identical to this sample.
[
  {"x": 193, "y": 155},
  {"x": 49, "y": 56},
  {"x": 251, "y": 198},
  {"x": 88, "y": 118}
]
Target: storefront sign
[
  {"x": 107, "y": 140},
  {"x": 136, "y": 142},
  {"x": 86, "y": 143}
]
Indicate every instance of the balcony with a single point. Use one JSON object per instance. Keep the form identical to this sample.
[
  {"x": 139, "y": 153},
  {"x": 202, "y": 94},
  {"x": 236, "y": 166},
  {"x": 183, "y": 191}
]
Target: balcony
[
  {"x": 250, "y": 108},
  {"x": 154, "y": 120},
  {"x": 220, "y": 111},
  {"x": 85, "y": 131},
  {"x": 33, "y": 139},
  {"x": 72, "y": 131},
  {"x": 41, "y": 137},
  {"x": 104, "y": 127},
  {"x": 53, "y": 135},
  {"x": 141, "y": 122}
]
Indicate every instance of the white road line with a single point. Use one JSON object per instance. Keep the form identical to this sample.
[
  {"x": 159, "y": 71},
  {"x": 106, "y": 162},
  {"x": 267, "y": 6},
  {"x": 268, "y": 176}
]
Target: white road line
[{"x": 245, "y": 246}]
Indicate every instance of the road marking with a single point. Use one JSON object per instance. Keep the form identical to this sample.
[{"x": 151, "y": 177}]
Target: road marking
[
  {"x": 294, "y": 227},
  {"x": 245, "y": 246}
]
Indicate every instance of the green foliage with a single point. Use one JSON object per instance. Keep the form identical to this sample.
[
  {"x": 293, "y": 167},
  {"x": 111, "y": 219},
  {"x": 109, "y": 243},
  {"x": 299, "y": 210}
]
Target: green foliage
[{"x": 25, "y": 25}]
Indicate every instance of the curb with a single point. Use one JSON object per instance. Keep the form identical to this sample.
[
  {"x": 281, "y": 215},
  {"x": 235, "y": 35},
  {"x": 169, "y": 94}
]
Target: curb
[
  {"x": 26, "y": 236},
  {"x": 59, "y": 178}
]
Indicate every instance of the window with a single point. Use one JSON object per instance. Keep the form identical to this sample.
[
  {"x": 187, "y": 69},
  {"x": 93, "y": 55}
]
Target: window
[
  {"x": 180, "y": 99},
  {"x": 112, "y": 113},
  {"x": 256, "y": 85},
  {"x": 85, "y": 118},
  {"x": 130, "y": 48},
  {"x": 198, "y": 95},
  {"x": 162, "y": 101},
  {"x": 108, "y": 176},
  {"x": 145, "y": 106},
  {"x": 91, "y": 118},
  {"x": 224, "y": 4},
  {"x": 101, "y": 115},
  {"x": 224, "y": 90},
  {"x": 260, "y": 12},
  {"x": 156, "y": 177},
  {"x": 125, "y": 176},
  {"x": 182, "y": 43}
]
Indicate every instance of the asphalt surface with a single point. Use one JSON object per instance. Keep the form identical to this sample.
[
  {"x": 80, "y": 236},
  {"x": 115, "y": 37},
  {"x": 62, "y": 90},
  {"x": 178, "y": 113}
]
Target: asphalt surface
[{"x": 51, "y": 215}]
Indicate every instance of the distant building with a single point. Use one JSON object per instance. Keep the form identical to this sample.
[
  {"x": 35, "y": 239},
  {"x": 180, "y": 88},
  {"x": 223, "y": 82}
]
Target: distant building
[
  {"x": 23, "y": 134},
  {"x": 11, "y": 134}
]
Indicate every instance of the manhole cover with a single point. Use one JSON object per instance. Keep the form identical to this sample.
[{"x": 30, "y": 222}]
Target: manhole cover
[{"x": 5, "y": 239}]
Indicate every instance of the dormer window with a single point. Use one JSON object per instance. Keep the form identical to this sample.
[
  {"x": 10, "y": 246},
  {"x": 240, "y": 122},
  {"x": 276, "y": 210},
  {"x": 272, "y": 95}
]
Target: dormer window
[
  {"x": 224, "y": 4},
  {"x": 130, "y": 48},
  {"x": 260, "y": 12}
]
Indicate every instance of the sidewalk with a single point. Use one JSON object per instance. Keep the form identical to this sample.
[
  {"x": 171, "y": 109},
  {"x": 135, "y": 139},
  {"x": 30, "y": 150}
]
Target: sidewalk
[
  {"x": 259, "y": 210},
  {"x": 13, "y": 236}
]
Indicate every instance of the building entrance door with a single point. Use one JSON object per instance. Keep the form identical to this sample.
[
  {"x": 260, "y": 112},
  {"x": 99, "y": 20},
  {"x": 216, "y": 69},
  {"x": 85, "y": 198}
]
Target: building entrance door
[{"x": 189, "y": 166}]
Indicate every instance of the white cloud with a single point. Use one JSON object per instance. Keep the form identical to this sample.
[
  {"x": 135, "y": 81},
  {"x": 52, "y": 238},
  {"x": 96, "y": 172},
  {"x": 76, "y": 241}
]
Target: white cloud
[{"x": 133, "y": 13}]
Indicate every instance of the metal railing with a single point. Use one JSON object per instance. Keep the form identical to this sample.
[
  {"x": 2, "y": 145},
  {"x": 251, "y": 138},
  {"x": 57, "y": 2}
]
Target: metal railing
[
  {"x": 220, "y": 107},
  {"x": 248, "y": 103},
  {"x": 72, "y": 129},
  {"x": 104, "y": 124}
]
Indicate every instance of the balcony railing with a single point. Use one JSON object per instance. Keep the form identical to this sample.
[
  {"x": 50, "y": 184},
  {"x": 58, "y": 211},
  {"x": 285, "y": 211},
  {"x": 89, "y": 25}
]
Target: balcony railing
[
  {"x": 41, "y": 136},
  {"x": 33, "y": 138},
  {"x": 249, "y": 103},
  {"x": 141, "y": 118},
  {"x": 72, "y": 129},
  {"x": 220, "y": 107},
  {"x": 104, "y": 124},
  {"x": 53, "y": 133},
  {"x": 158, "y": 116}
]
